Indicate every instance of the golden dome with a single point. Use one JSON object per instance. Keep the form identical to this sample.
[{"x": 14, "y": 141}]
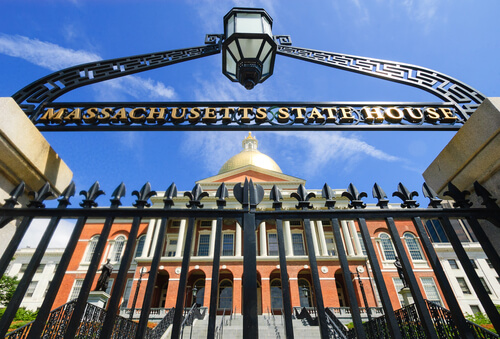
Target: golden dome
[{"x": 250, "y": 156}]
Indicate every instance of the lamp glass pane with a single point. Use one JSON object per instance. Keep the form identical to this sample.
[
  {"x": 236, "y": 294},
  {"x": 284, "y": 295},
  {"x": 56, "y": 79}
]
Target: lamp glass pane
[
  {"x": 265, "y": 50},
  {"x": 267, "y": 27},
  {"x": 234, "y": 49},
  {"x": 230, "y": 63},
  {"x": 230, "y": 26},
  {"x": 248, "y": 23},
  {"x": 250, "y": 47},
  {"x": 266, "y": 66}
]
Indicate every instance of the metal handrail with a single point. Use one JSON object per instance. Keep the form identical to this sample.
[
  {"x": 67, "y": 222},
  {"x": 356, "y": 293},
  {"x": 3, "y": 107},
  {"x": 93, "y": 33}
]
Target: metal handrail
[
  {"x": 187, "y": 318},
  {"x": 334, "y": 329},
  {"x": 219, "y": 330},
  {"x": 276, "y": 330},
  {"x": 162, "y": 326}
]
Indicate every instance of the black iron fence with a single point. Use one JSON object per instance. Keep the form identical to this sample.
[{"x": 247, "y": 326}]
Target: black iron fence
[{"x": 249, "y": 216}]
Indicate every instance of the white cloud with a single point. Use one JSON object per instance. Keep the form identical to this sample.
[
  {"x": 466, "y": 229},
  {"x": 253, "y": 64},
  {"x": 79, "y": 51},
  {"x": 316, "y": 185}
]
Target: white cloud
[
  {"x": 55, "y": 57},
  {"x": 38, "y": 227}
]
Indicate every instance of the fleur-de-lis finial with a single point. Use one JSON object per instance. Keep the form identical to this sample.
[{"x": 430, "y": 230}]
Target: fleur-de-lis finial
[
  {"x": 67, "y": 194},
  {"x": 488, "y": 200},
  {"x": 430, "y": 194},
  {"x": 404, "y": 194},
  {"x": 170, "y": 194},
  {"x": 118, "y": 193},
  {"x": 303, "y": 197},
  {"x": 14, "y": 195},
  {"x": 195, "y": 197},
  {"x": 248, "y": 194},
  {"x": 39, "y": 197},
  {"x": 221, "y": 195},
  {"x": 276, "y": 196},
  {"x": 379, "y": 194},
  {"x": 327, "y": 193},
  {"x": 91, "y": 195},
  {"x": 143, "y": 196},
  {"x": 355, "y": 197},
  {"x": 459, "y": 196}
]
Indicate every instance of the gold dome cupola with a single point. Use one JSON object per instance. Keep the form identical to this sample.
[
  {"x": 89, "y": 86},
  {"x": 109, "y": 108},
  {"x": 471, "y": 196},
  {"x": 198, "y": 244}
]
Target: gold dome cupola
[{"x": 250, "y": 156}]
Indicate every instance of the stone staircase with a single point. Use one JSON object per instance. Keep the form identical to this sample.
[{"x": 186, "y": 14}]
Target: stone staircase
[{"x": 233, "y": 329}]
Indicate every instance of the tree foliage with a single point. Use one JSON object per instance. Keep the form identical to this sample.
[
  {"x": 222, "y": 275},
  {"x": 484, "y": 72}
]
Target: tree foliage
[{"x": 7, "y": 287}]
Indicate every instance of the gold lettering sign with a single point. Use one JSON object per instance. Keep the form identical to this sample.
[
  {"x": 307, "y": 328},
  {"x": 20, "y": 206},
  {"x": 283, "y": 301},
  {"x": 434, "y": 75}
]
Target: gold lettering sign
[{"x": 252, "y": 115}]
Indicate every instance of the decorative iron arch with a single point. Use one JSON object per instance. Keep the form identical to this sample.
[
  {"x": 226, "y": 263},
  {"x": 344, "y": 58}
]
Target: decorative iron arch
[{"x": 44, "y": 91}]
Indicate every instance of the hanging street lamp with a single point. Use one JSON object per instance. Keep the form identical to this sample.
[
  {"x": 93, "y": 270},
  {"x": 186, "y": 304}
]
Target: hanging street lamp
[{"x": 248, "y": 49}]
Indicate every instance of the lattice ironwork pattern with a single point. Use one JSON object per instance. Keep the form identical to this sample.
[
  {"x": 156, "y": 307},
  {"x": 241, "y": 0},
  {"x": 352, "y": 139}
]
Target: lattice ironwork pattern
[
  {"x": 32, "y": 97},
  {"x": 465, "y": 98}
]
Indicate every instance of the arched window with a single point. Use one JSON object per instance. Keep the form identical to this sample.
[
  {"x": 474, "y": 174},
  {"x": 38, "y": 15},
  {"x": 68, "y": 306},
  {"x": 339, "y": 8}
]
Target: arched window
[
  {"x": 305, "y": 293},
  {"x": 226, "y": 294},
  {"x": 91, "y": 248},
  {"x": 200, "y": 292},
  {"x": 413, "y": 247},
  {"x": 118, "y": 248},
  {"x": 387, "y": 247},
  {"x": 276, "y": 295},
  {"x": 140, "y": 246}
]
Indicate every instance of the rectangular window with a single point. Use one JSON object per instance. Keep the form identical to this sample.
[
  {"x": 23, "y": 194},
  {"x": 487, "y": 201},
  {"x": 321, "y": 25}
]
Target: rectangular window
[
  {"x": 473, "y": 262},
  {"x": 206, "y": 223},
  {"x": 23, "y": 268},
  {"x": 176, "y": 223},
  {"x": 463, "y": 285},
  {"x": 126, "y": 293},
  {"x": 110, "y": 286},
  {"x": 170, "y": 247},
  {"x": 485, "y": 285},
  {"x": 330, "y": 246},
  {"x": 475, "y": 309},
  {"x": 77, "y": 286},
  {"x": 363, "y": 249},
  {"x": 488, "y": 261},
  {"x": 431, "y": 290},
  {"x": 40, "y": 268},
  {"x": 298, "y": 244},
  {"x": 295, "y": 223},
  {"x": 203, "y": 245},
  {"x": 31, "y": 289},
  {"x": 272, "y": 243},
  {"x": 453, "y": 263},
  {"x": 228, "y": 244},
  {"x": 435, "y": 231},
  {"x": 398, "y": 285}
]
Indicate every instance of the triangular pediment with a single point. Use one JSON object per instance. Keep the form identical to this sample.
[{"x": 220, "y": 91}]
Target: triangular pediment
[{"x": 257, "y": 174}]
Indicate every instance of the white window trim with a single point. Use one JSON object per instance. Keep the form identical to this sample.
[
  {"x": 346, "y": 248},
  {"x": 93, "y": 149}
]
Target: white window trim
[
  {"x": 87, "y": 249},
  {"x": 385, "y": 261},
  {"x": 112, "y": 250},
  {"x": 170, "y": 237},
  {"x": 303, "y": 243},
  {"x": 222, "y": 242},
  {"x": 416, "y": 263},
  {"x": 277, "y": 243},
  {"x": 200, "y": 233}
]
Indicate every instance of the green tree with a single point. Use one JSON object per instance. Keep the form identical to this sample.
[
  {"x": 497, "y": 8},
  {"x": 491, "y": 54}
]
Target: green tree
[{"x": 7, "y": 287}]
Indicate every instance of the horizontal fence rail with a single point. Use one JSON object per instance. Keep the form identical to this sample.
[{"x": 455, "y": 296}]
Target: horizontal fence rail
[{"x": 249, "y": 195}]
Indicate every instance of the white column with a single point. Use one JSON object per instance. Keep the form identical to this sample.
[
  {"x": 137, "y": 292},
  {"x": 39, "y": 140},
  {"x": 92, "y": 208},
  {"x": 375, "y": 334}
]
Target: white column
[
  {"x": 156, "y": 232},
  {"x": 315, "y": 238},
  {"x": 149, "y": 238},
  {"x": 238, "y": 240},
  {"x": 288, "y": 238},
  {"x": 180, "y": 239},
  {"x": 211, "y": 248},
  {"x": 347, "y": 238},
  {"x": 322, "y": 239},
  {"x": 263, "y": 247},
  {"x": 357, "y": 244}
]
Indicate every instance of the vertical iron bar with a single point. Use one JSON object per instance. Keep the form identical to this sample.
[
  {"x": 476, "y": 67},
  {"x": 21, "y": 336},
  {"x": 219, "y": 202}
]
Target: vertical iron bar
[
  {"x": 153, "y": 273},
  {"x": 323, "y": 325},
  {"x": 422, "y": 309},
  {"x": 121, "y": 280},
  {"x": 456, "y": 313},
  {"x": 485, "y": 242},
  {"x": 23, "y": 285},
  {"x": 392, "y": 323},
  {"x": 344, "y": 265},
  {"x": 250, "y": 319},
  {"x": 11, "y": 249},
  {"x": 44, "y": 311},
  {"x": 81, "y": 303},
  {"x": 181, "y": 291},
  {"x": 212, "y": 313},
  {"x": 285, "y": 284},
  {"x": 481, "y": 293}
]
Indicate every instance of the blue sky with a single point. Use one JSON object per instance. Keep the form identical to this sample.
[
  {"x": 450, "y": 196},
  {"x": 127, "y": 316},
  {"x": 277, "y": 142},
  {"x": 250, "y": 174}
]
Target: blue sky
[{"x": 458, "y": 38}]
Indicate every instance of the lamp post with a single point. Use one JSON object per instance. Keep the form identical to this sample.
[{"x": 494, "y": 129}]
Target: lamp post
[
  {"x": 195, "y": 292},
  {"x": 305, "y": 292},
  {"x": 365, "y": 300},
  {"x": 141, "y": 273},
  {"x": 248, "y": 50}
]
